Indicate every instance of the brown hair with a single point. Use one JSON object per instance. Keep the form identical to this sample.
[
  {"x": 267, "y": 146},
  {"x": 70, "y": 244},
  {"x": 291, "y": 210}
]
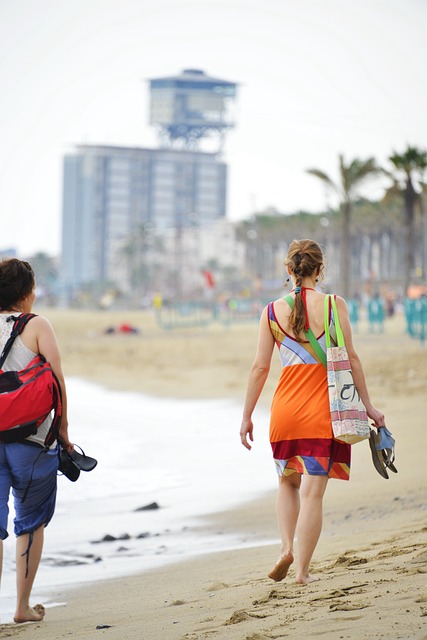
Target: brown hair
[
  {"x": 304, "y": 259},
  {"x": 17, "y": 281}
]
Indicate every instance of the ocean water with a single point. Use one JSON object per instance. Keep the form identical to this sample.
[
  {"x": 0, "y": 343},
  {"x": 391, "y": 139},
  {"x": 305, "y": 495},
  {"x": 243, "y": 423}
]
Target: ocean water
[{"x": 185, "y": 455}]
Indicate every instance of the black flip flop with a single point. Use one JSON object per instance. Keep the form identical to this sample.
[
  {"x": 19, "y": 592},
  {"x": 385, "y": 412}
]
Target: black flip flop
[
  {"x": 83, "y": 462},
  {"x": 67, "y": 466}
]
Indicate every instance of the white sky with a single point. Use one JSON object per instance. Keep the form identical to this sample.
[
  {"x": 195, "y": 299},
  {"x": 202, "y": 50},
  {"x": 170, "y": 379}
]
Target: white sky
[{"x": 318, "y": 78}]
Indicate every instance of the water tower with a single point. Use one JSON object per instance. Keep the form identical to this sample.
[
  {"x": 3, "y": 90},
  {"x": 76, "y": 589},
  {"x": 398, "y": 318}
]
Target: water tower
[{"x": 190, "y": 107}]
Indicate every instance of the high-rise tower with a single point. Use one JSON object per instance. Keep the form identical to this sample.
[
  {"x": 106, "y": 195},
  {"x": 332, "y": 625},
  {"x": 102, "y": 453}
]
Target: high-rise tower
[
  {"x": 190, "y": 107},
  {"x": 113, "y": 194}
]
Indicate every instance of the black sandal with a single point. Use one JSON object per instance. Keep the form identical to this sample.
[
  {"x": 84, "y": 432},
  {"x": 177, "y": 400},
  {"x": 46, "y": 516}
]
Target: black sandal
[
  {"x": 70, "y": 464},
  {"x": 84, "y": 462}
]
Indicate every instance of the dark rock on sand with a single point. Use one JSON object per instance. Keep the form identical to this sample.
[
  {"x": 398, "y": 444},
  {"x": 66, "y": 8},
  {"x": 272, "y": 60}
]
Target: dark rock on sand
[
  {"x": 149, "y": 507},
  {"x": 71, "y": 560},
  {"x": 110, "y": 538}
]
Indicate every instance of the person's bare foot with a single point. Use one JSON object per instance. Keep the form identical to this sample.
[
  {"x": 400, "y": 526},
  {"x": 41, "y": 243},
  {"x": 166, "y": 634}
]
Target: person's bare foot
[
  {"x": 280, "y": 569},
  {"x": 30, "y": 614},
  {"x": 306, "y": 579}
]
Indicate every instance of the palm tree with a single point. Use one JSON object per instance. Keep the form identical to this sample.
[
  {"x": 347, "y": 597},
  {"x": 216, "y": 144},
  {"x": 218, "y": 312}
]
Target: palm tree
[
  {"x": 351, "y": 178},
  {"x": 407, "y": 182}
]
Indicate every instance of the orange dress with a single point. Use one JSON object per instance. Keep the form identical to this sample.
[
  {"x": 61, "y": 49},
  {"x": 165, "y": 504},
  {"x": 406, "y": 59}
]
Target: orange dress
[{"x": 300, "y": 426}]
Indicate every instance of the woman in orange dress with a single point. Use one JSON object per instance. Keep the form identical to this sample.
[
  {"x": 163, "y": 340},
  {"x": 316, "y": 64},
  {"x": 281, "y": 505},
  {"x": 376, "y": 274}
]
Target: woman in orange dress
[{"x": 304, "y": 450}]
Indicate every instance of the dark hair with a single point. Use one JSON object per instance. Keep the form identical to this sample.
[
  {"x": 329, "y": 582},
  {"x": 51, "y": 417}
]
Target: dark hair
[
  {"x": 17, "y": 281},
  {"x": 304, "y": 259}
]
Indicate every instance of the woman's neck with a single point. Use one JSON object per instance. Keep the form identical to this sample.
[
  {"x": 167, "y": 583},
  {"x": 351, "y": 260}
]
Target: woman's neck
[
  {"x": 306, "y": 284},
  {"x": 7, "y": 311}
]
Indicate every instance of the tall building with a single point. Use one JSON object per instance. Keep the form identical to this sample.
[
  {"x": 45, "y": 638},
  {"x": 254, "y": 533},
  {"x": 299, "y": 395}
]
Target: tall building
[
  {"x": 109, "y": 191},
  {"x": 191, "y": 107}
]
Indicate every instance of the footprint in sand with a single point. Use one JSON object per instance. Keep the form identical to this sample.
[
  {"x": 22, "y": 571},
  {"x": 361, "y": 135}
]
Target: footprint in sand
[
  {"x": 241, "y": 616},
  {"x": 276, "y": 595},
  {"x": 352, "y": 561},
  {"x": 217, "y": 586},
  {"x": 347, "y": 606},
  {"x": 237, "y": 616},
  {"x": 343, "y": 592}
]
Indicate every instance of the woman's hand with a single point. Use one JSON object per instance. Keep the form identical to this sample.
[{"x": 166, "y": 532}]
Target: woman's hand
[
  {"x": 376, "y": 416},
  {"x": 246, "y": 430}
]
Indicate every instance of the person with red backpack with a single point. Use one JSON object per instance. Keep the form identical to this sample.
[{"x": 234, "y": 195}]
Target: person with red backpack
[{"x": 28, "y": 463}]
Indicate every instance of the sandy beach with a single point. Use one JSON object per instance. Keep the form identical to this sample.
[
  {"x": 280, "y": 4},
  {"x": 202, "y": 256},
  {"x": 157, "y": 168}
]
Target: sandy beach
[{"x": 372, "y": 555}]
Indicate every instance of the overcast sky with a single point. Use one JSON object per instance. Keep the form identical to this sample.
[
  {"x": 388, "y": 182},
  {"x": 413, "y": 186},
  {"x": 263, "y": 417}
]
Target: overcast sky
[{"x": 317, "y": 78}]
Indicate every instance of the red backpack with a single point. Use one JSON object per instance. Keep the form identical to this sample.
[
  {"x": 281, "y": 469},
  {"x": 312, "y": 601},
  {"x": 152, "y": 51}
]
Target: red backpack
[{"x": 28, "y": 396}]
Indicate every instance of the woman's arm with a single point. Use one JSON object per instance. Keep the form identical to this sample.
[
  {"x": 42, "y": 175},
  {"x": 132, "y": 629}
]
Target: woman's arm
[
  {"x": 356, "y": 365},
  {"x": 257, "y": 376},
  {"x": 47, "y": 345}
]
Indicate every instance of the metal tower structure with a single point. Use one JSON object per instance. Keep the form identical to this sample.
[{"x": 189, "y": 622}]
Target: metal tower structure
[{"x": 190, "y": 107}]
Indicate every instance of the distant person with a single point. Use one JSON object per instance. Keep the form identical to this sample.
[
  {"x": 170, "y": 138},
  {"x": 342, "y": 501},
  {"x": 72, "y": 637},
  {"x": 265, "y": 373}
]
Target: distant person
[
  {"x": 376, "y": 314},
  {"x": 27, "y": 467},
  {"x": 304, "y": 451}
]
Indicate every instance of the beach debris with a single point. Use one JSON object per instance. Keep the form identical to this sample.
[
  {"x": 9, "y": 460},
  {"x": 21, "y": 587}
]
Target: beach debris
[
  {"x": 149, "y": 507},
  {"x": 104, "y": 626}
]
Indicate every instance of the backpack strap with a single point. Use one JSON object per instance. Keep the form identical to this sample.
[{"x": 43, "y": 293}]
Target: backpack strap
[
  {"x": 310, "y": 336},
  {"x": 19, "y": 324}
]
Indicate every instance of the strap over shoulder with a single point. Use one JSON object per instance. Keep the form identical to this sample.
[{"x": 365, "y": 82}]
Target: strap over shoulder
[
  {"x": 331, "y": 300},
  {"x": 310, "y": 336},
  {"x": 19, "y": 324}
]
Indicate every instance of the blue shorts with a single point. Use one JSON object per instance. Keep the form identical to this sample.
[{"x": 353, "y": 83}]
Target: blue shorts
[{"x": 32, "y": 471}]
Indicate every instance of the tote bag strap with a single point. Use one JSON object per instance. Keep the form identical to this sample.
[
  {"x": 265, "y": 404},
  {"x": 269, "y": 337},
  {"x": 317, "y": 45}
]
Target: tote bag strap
[
  {"x": 310, "y": 336},
  {"x": 340, "y": 335}
]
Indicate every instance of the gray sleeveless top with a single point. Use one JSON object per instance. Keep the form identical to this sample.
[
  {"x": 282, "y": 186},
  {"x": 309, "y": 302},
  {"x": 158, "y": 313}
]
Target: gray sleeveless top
[{"x": 18, "y": 358}]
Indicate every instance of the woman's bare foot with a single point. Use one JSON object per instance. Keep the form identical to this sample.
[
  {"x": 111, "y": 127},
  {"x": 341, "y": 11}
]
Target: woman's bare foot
[
  {"x": 281, "y": 568},
  {"x": 30, "y": 614},
  {"x": 306, "y": 579}
]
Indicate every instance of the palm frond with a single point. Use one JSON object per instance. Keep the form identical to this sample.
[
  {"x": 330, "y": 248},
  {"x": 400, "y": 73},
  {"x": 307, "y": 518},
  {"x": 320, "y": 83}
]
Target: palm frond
[
  {"x": 323, "y": 177},
  {"x": 412, "y": 159}
]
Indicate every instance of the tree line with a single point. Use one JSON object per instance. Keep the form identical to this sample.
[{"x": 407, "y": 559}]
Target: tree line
[
  {"x": 390, "y": 233},
  {"x": 406, "y": 178}
]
